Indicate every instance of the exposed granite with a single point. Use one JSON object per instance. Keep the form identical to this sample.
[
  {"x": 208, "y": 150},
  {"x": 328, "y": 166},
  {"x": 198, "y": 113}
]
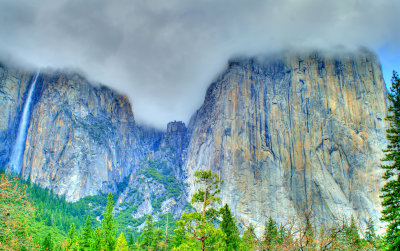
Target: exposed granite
[
  {"x": 294, "y": 130},
  {"x": 14, "y": 86}
]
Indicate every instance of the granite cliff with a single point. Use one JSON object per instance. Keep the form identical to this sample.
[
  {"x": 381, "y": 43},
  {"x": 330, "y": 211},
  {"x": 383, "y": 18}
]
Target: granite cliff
[
  {"x": 285, "y": 132},
  {"x": 82, "y": 139},
  {"x": 292, "y": 132}
]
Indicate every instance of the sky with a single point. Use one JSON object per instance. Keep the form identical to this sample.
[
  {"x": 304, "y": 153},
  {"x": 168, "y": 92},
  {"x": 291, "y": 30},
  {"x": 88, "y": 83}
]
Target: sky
[{"x": 164, "y": 54}]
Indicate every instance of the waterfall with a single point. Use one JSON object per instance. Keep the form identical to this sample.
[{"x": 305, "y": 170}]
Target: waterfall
[{"x": 19, "y": 147}]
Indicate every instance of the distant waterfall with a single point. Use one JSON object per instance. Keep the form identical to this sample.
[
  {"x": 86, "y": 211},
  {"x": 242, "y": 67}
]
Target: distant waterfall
[{"x": 19, "y": 147}]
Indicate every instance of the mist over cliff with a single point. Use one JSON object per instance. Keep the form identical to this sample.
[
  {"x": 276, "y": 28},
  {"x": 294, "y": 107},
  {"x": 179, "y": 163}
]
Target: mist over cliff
[{"x": 284, "y": 131}]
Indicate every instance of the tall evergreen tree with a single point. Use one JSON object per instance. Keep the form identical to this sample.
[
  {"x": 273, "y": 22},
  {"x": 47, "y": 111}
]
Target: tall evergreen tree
[
  {"x": 98, "y": 239},
  {"x": 72, "y": 243},
  {"x": 200, "y": 224},
  {"x": 109, "y": 224},
  {"x": 121, "y": 243},
  {"x": 370, "y": 235},
  {"x": 270, "y": 234},
  {"x": 352, "y": 235},
  {"x": 48, "y": 244},
  {"x": 228, "y": 226},
  {"x": 391, "y": 190},
  {"x": 249, "y": 239},
  {"x": 148, "y": 234},
  {"x": 86, "y": 239},
  {"x": 131, "y": 240}
]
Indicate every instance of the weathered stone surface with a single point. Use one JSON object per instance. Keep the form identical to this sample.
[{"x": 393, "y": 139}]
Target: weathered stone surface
[
  {"x": 14, "y": 85},
  {"x": 294, "y": 130},
  {"x": 83, "y": 140}
]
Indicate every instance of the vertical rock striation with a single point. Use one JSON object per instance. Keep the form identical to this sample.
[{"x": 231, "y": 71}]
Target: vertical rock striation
[
  {"x": 79, "y": 137},
  {"x": 294, "y": 131},
  {"x": 14, "y": 88}
]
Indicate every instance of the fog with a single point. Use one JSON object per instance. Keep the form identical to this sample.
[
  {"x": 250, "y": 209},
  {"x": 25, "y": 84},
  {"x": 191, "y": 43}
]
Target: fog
[{"x": 164, "y": 54}]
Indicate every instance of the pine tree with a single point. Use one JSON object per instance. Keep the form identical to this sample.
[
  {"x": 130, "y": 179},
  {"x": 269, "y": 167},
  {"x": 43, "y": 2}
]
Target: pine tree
[
  {"x": 109, "y": 224},
  {"x": 228, "y": 226},
  {"x": 352, "y": 236},
  {"x": 270, "y": 234},
  {"x": 148, "y": 234},
  {"x": 391, "y": 190},
  {"x": 249, "y": 239},
  {"x": 121, "y": 243},
  {"x": 72, "y": 239},
  {"x": 131, "y": 241},
  {"x": 370, "y": 235},
  {"x": 200, "y": 224},
  {"x": 282, "y": 234},
  {"x": 48, "y": 244},
  {"x": 98, "y": 239},
  {"x": 181, "y": 237},
  {"x": 86, "y": 240}
]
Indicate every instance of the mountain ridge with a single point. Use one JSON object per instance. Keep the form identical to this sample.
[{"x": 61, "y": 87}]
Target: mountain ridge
[{"x": 256, "y": 121}]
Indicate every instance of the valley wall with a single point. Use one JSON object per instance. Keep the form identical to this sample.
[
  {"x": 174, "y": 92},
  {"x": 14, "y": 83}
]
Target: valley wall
[{"x": 286, "y": 132}]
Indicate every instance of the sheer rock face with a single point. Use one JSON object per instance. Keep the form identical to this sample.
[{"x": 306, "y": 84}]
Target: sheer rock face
[
  {"x": 292, "y": 132},
  {"x": 81, "y": 138},
  {"x": 14, "y": 87}
]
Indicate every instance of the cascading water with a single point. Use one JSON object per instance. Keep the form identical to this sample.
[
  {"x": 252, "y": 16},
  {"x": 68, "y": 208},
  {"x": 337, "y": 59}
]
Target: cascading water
[{"x": 19, "y": 147}]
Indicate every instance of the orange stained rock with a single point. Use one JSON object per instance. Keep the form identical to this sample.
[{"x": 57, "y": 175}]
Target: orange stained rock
[{"x": 109, "y": 164}]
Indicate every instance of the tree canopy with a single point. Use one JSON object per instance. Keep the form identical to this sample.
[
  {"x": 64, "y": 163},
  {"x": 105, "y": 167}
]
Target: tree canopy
[{"x": 391, "y": 190}]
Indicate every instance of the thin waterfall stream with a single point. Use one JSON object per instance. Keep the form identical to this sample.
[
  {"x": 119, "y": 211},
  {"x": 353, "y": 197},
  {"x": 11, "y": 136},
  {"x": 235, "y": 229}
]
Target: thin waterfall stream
[{"x": 19, "y": 147}]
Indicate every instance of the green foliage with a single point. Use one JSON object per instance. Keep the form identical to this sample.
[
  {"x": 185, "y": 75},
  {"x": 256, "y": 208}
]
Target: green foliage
[
  {"x": 270, "y": 234},
  {"x": 249, "y": 239},
  {"x": 108, "y": 224},
  {"x": 182, "y": 238},
  {"x": 131, "y": 241},
  {"x": 56, "y": 213},
  {"x": 352, "y": 236},
  {"x": 391, "y": 190},
  {"x": 48, "y": 244},
  {"x": 86, "y": 242},
  {"x": 151, "y": 236},
  {"x": 122, "y": 245},
  {"x": 195, "y": 230},
  {"x": 201, "y": 224},
  {"x": 148, "y": 236},
  {"x": 98, "y": 239},
  {"x": 15, "y": 215},
  {"x": 284, "y": 237},
  {"x": 72, "y": 243},
  {"x": 166, "y": 177},
  {"x": 228, "y": 226},
  {"x": 124, "y": 218},
  {"x": 370, "y": 235}
]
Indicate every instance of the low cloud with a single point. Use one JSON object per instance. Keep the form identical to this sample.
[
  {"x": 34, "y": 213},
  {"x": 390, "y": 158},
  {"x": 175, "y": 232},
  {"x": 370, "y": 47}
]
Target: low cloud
[{"x": 164, "y": 54}]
